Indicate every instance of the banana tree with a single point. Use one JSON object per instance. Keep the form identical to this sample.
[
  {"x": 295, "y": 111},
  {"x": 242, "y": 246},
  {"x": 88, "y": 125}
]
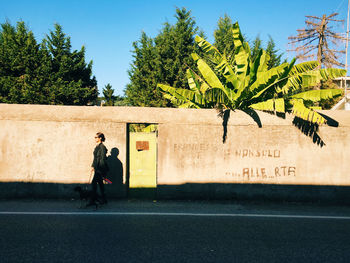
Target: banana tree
[{"x": 245, "y": 83}]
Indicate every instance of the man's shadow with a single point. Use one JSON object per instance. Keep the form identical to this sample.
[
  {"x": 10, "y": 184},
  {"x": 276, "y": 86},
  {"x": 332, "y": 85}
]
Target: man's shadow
[{"x": 115, "y": 173}]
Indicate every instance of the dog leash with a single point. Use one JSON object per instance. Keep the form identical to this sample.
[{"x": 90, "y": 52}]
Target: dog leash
[
  {"x": 90, "y": 177},
  {"x": 104, "y": 179},
  {"x": 107, "y": 180}
]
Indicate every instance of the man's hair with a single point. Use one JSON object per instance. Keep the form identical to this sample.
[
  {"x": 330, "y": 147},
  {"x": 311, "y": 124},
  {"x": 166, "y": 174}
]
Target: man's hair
[{"x": 101, "y": 135}]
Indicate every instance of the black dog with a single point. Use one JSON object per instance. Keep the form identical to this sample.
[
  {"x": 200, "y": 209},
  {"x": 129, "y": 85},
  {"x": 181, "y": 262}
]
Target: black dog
[{"x": 88, "y": 196}]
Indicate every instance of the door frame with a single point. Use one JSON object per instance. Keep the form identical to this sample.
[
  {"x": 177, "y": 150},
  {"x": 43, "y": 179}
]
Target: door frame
[{"x": 129, "y": 191}]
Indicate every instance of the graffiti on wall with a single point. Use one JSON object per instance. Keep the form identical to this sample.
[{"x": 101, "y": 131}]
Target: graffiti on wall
[
  {"x": 263, "y": 173},
  {"x": 239, "y": 164}
]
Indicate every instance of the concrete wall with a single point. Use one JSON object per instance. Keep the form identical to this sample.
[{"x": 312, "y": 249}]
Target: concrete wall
[{"x": 42, "y": 145}]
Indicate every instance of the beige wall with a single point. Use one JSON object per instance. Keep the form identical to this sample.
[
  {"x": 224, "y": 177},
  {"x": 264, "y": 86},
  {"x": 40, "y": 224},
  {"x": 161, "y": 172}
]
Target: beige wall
[
  {"x": 45, "y": 148},
  {"x": 269, "y": 155},
  {"x": 54, "y": 144}
]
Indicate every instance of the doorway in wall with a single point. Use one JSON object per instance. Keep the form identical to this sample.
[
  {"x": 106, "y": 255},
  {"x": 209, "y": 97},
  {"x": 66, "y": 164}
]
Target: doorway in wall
[{"x": 142, "y": 160}]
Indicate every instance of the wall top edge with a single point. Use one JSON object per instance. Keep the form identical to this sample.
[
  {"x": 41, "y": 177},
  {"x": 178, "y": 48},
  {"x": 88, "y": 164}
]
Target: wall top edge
[{"x": 27, "y": 112}]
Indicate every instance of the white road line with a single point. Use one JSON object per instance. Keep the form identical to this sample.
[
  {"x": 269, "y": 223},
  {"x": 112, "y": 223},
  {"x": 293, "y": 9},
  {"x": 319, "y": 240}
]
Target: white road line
[{"x": 98, "y": 213}]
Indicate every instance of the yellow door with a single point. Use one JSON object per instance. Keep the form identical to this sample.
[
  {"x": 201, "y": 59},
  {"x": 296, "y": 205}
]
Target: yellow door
[{"x": 143, "y": 160}]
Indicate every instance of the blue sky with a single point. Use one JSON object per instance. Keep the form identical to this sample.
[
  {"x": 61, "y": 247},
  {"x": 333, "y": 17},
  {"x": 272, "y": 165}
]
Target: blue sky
[{"x": 108, "y": 28}]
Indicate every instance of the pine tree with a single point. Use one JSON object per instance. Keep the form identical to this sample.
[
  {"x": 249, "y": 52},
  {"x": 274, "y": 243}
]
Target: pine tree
[
  {"x": 72, "y": 81},
  {"x": 175, "y": 44},
  {"x": 223, "y": 36},
  {"x": 163, "y": 59},
  {"x": 144, "y": 75},
  {"x": 256, "y": 47},
  {"x": 108, "y": 95},
  {"x": 43, "y": 73},
  {"x": 7, "y": 57},
  {"x": 120, "y": 101},
  {"x": 23, "y": 66},
  {"x": 275, "y": 58}
]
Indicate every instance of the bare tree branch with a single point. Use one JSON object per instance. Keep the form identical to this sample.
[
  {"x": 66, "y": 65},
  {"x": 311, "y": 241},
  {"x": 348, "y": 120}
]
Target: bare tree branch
[{"x": 319, "y": 40}]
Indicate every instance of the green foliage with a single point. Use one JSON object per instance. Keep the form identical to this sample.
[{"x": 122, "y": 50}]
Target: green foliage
[
  {"x": 256, "y": 47},
  {"x": 144, "y": 74},
  {"x": 71, "y": 79},
  {"x": 143, "y": 127},
  {"x": 275, "y": 58},
  {"x": 329, "y": 103},
  {"x": 223, "y": 36},
  {"x": 45, "y": 73},
  {"x": 246, "y": 82},
  {"x": 120, "y": 101},
  {"x": 108, "y": 95},
  {"x": 163, "y": 59},
  {"x": 317, "y": 95},
  {"x": 174, "y": 47},
  {"x": 23, "y": 65}
]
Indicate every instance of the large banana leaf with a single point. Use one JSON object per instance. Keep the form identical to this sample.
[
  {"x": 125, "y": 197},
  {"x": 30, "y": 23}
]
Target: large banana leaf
[
  {"x": 279, "y": 105},
  {"x": 195, "y": 57},
  {"x": 263, "y": 60},
  {"x": 188, "y": 105},
  {"x": 332, "y": 73},
  {"x": 309, "y": 78},
  {"x": 209, "y": 75},
  {"x": 222, "y": 65},
  {"x": 258, "y": 65},
  {"x": 195, "y": 82},
  {"x": 177, "y": 99},
  {"x": 173, "y": 99},
  {"x": 303, "y": 67},
  {"x": 264, "y": 105},
  {"x": 242, "y": 52},
  {"x": 237, "y": 35},
  {"x": 317, "y": 95},
  {"x": 305, "y": 113},
  {"x": 220, "y": 97},
  {"x": 267, "y": 81},
  {"x": 226, "y": 69},
  {"x": 184, "y": 95},
  {"x": 267, "y": 78},
  {"x": 204, "y": 87},
  {"x": 214, "y": 54},
  {"x": 192, "y": 82},
  {"x": 270, "y": 105}
]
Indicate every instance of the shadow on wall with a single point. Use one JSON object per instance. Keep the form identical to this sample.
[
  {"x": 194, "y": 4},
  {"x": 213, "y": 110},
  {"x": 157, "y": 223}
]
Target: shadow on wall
[
  {"x": 306, "y": 127},
  {"x": 311, "y": 129},
  {"x": 115, "y": 173},
  {"x": 57, "y": 190}
]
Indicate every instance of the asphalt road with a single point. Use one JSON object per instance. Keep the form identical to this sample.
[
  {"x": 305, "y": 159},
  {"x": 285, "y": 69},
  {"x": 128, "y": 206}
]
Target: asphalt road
[{"x": 173, "y": 232}]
